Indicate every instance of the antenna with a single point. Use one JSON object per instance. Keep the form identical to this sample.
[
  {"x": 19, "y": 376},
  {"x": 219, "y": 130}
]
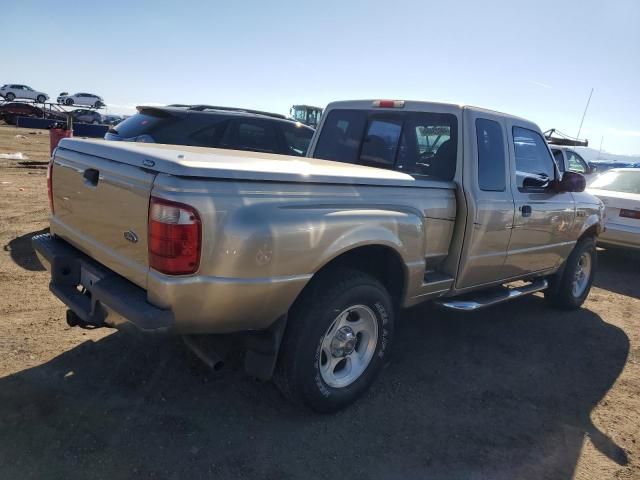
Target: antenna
[{"x": 584, "y": 114}]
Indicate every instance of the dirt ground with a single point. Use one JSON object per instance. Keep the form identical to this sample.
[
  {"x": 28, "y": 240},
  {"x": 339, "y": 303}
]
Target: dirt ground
[{"x": 516, "y": 392}]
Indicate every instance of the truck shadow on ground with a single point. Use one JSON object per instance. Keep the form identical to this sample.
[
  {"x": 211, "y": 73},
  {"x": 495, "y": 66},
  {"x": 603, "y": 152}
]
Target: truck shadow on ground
[
  {"x": 617, "y": 271},
  {"x": 23, "y": 254},
  {"x": 501, "y": 394}
]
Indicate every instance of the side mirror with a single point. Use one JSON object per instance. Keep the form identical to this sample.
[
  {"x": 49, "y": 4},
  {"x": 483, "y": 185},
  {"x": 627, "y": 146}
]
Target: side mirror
[{"x": 571, "y": 182}]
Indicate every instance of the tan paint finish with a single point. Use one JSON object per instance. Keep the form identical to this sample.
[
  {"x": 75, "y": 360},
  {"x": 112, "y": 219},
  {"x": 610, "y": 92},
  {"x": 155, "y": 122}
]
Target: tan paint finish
[{"x": 265, "y": 238}]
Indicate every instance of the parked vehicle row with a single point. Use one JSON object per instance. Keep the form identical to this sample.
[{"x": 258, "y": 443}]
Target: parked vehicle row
[
  {"x": 13, "y": 91},
  {"x": 9, "y": 112},
  {"x": 396, "y": 203},
  {"x": 218, "y": 127}
]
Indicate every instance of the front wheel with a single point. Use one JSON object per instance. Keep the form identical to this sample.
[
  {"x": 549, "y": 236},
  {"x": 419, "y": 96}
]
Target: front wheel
[
  {"x": 68, "y": 101},
  {"x": 10, "y": 97},
  {"x": 41, "y": 99},
  {"x": 337, "y": 339},
  {"x": 570, "y": 289}
]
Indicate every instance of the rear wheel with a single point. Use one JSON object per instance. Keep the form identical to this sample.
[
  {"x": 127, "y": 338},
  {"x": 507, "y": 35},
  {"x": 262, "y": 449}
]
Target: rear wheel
[
  {"x": 68, "y": 101},
  {"x": 10, "y": 97},
  {"x": 41, "y": 99},
  {"x": 570, "y": 289},
  {"x": 337, "y": 338},
  {"x": 97, "y": 104}
]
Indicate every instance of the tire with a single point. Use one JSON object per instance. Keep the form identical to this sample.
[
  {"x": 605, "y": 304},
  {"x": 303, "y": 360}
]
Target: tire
[
  {"x": 338, "y": 336},
  {"x": 569, "y": 289},
  {"x": 68, "y": 101},
  {"x": 41, "y": 99},
  {"x": 10, "y": 97},
  {"x": 97, "y": 105}
]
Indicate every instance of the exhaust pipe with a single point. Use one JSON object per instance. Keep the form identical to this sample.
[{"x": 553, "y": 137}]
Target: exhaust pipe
[{"x": 209, "y": 357}]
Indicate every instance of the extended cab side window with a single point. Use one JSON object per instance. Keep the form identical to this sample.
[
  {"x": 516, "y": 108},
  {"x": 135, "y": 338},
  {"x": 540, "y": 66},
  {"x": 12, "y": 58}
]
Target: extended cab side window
[
  {"x": 534, "y": 163},
  {"x": 491, "y": 159}
]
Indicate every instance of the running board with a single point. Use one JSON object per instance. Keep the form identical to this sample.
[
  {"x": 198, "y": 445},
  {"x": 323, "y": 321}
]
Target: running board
[{"x": 487, "y": 299}]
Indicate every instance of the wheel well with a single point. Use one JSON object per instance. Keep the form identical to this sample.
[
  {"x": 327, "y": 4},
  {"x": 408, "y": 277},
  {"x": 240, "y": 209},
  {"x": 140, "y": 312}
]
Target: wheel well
[
  {"x": 381, "y": 262},
  {"x": 592, "y": 231}
]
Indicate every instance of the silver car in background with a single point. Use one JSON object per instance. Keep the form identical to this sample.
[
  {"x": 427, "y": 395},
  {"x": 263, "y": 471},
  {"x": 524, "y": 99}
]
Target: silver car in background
[{"x": 619, "y": 190}]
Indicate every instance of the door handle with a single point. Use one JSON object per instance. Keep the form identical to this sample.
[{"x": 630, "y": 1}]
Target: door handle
[
  {"x": 525, "y": 210},
  {"x": 91, "y": 175}
]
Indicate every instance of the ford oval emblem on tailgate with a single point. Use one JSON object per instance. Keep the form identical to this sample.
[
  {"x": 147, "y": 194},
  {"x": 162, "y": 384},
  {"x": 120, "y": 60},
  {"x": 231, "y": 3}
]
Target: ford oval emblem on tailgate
[
  {"x": 148, "y": 163},
  {"x": 131, "y": 236}
]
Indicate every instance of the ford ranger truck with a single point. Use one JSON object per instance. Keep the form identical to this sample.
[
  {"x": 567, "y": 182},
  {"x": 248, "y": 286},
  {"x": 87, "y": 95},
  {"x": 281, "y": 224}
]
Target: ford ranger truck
[{"x": 311, "y": 259}]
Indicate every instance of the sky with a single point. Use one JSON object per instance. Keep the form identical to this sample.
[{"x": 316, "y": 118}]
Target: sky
[{"x": 536, "y": 59}]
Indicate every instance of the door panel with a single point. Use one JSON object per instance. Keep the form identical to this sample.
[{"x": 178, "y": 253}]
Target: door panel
[{"x": 542, "y": 230}]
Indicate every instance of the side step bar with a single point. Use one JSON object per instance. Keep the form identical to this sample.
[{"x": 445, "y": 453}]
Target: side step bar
[{"x": 487, "y": 299}]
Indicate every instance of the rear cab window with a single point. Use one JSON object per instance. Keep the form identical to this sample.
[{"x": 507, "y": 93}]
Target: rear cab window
[{"x": 417, "y": 143}]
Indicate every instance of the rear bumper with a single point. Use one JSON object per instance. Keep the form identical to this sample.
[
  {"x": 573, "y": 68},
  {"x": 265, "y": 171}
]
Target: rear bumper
[
  {"x": 112, "y": 300},
  {"x": 175, "y": 304},
  {"x": 620, "y": 236}
]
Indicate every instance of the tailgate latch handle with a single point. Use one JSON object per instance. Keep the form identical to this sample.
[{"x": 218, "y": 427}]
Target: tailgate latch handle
[{"x": 91, "y": 175}]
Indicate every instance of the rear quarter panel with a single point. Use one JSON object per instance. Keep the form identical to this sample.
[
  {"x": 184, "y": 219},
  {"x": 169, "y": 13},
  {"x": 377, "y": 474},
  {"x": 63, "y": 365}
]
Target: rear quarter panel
[{"x": 269, "y": 239}]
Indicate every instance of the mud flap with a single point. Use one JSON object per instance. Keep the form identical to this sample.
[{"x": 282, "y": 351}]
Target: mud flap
[{"x": 262, "y": 350}]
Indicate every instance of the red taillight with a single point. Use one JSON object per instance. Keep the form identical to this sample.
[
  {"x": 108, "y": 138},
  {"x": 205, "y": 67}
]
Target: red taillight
[
  {"x": 50, "y": 184},
  {"x": 175, "y": 237}
]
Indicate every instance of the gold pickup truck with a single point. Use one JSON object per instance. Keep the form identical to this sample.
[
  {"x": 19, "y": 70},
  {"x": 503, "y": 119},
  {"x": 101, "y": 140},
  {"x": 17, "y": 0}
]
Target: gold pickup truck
[{"x": 397, "y": 203}]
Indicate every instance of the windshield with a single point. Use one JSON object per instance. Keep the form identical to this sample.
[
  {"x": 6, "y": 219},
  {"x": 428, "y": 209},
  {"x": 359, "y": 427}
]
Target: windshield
[{"x": 618, "y": 181}]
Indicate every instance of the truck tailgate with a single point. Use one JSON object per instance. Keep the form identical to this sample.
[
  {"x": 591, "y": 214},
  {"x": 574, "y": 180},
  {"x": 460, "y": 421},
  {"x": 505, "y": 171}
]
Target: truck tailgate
[{"x": 101, "y": 207}]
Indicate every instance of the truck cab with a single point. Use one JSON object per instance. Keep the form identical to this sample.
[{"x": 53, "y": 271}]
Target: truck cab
[{"x": 513, "y": 216}]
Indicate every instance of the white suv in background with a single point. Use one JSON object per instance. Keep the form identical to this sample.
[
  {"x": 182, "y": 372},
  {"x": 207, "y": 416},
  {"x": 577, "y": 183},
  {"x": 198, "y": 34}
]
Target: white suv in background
[
  {"x": 12, "y": 91},
  {"x": 84, "y": 99}
]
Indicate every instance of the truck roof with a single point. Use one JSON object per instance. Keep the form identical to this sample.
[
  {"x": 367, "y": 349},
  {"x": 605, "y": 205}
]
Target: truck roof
[{"x": 418, "y": 105}]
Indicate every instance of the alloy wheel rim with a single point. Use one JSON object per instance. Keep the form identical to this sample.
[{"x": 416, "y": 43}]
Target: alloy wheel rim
[
  {"x": 582, "y": 275},
  {"x": 348, "y": 345}
]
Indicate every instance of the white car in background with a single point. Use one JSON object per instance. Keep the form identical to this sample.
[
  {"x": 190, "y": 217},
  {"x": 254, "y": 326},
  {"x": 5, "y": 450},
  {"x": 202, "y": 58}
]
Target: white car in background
[
  {"x": 619, "y": 190},
  {"x": 12, "y": 91},
  {"x": 84, "y": 99}
]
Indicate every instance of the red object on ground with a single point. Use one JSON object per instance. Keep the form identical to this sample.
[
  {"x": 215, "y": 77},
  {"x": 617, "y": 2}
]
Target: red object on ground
[{"x": 57, "y": 134}]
